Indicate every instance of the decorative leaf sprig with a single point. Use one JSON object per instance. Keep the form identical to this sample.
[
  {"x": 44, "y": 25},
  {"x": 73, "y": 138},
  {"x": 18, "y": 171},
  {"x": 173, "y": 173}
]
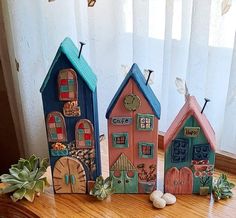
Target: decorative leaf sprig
[
  {"x": 182, "y": 88},
  {"x": 102, "y": 188},
  {"x": 25, "y": 178},
  {"x": 222, "y": 188}
]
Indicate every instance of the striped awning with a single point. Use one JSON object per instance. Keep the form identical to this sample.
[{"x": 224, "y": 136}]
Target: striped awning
[{"x": 123, "y": 163}]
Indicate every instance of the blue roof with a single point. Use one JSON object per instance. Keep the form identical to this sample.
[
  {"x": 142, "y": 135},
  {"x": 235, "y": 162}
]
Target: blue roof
[
  {"x": 80, "y": 65},
  {"x": 140, "y": 80}
]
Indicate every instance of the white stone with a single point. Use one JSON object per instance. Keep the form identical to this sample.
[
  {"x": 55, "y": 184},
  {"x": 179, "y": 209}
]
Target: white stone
[
  {"x": 159, "y": 203},
  {"x": 169, "y": 198},
  {"x": 155, "y": 194}
]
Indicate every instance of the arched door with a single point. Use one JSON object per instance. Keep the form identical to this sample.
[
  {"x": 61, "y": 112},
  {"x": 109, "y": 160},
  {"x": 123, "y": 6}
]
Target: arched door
[
  {"x": 69, "y": 176},
  {"x": 179, "y": 181}
]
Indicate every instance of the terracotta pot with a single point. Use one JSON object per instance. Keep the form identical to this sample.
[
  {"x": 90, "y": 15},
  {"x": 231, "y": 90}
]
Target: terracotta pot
[{"x": 204, "y": 190}]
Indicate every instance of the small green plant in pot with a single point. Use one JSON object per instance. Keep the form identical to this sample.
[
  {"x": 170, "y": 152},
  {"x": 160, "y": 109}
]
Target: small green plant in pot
[
  {"x": 102, "y": 188},
  {"x": 25, "y": 178},
  {"x": 222, "y": 188}
]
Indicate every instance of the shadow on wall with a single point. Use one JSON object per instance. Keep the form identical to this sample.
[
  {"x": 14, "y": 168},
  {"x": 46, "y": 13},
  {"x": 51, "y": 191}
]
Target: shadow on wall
[{"x": 8, "y": 141}]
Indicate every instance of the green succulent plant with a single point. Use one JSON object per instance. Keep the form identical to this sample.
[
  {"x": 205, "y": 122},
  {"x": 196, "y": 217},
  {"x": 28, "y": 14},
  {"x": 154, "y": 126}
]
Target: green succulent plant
[
  {"x": 102, "y": 188},
  {"x": 222, "y": 188},
  {"x": 25, "y": 178}
]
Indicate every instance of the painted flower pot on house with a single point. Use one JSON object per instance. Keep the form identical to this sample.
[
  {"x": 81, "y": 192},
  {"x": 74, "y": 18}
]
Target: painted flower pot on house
[
  {"x": 204, "y": 190},
  {"x": 147, "y": 187}
]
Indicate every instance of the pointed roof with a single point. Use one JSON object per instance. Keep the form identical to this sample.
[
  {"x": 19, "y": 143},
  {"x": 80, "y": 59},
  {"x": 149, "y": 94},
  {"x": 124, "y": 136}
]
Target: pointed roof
[
  {"x": 190, "y": 108},
  {"x": 123, "y": 163},
  {"x": 80, "y": 65},
  {"x": 139, "y": 79}
]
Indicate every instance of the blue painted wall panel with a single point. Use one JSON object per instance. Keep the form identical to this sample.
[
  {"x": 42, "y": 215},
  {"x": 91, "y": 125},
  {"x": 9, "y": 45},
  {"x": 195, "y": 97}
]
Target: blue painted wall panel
[{"x": 87, "y": 100}]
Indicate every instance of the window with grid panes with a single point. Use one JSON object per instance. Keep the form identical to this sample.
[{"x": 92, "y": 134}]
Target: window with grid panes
[
  {"x": 146, "y": 150},
  {"x": 120, "y": 140},
  {"x": 84, "y": 133},
  {"x": 67, "y": 82},
  {"x": 201, "y": 152},
  {"x": 56, "y": 127},
  {"x": 145, "y": 122},
  {"x": 179, "y": 150}
]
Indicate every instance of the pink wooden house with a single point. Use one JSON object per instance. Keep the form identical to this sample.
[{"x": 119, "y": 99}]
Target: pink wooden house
[{"x": 133, "y": 116}]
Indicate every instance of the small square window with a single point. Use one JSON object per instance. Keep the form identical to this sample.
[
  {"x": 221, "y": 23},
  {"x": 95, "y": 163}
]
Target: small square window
[
  {"x": 146, "y": 150},
  {"x": 120, "y": 140},
  {"x": 145, "y": 122}
]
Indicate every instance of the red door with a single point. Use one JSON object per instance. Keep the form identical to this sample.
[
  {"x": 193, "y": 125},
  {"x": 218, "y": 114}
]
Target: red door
[{"x": 179, "y": 181}]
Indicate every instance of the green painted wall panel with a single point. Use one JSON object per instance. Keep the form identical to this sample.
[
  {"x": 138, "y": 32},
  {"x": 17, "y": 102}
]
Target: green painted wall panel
[
  {"x": 124, "y": 183},
  {"x": 201, "y": 139}
]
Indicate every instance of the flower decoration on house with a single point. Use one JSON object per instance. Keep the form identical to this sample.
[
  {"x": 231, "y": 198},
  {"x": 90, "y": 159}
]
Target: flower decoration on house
[
  {"x": 147, "y": 175},
  {"x": 203, "y": 170},
  {"x": 58, "y": 146}
]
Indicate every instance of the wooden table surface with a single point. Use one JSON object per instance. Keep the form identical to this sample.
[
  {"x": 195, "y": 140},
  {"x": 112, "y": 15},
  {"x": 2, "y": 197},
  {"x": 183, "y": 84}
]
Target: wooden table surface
[{"x": 127, "y": 205}]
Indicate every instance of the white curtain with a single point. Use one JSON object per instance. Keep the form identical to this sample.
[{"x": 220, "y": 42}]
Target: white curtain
[{"x": 190, "y": 39}]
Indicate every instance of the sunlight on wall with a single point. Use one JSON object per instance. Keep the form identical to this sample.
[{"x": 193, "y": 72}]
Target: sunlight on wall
[
  {"x": 222, "y": 28},
  {"x": 128, "y": 15},
  {"x": 157, "y": 19},
  {"x": 177, "y": 20}
]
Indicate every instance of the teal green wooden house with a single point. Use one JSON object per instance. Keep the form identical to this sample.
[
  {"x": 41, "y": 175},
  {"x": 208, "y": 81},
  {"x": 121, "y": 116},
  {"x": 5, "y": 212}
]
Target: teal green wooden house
[
  {"x": 69, "y": 95},
  {"x": 189, "y": 151}
]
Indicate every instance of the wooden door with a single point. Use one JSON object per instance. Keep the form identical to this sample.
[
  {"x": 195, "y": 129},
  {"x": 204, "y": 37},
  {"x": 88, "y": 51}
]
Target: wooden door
[
  {"x": 125, "y": 181},
  {"x": 179, "y": 181},
  {"x": 171, "y": 181},
  {"x": 69, "y": 176},
  {"x": 118, "y": 181},
  {"x": 186, "y": 181},
  {"x": 131, "y": 181}
]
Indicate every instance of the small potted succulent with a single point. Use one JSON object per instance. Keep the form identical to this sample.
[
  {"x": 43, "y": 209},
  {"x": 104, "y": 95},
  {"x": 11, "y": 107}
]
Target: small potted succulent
[
  {"x": 102, "y": 188},
  {"x": 204, "y": 172},
  {"x": 25, "y": 178},
  {"x": 147, "y": 178},
  {"x": 222, "y": 188}
]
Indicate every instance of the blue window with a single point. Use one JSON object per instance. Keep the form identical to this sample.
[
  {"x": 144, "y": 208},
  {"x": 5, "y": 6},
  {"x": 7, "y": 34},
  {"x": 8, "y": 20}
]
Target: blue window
[
  {"x": 179, "y": 150},
  {"x": 201, "y": 152}
]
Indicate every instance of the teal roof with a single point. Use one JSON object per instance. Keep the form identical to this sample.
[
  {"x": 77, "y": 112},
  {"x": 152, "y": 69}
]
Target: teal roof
[
  {"x": 140, "y": 80},
  {"x": 80, "y": 65}
]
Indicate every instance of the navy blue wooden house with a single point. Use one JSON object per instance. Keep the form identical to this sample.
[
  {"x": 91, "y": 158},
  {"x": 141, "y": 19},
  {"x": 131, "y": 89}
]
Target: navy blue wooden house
[{"x": 69, "y": 96}]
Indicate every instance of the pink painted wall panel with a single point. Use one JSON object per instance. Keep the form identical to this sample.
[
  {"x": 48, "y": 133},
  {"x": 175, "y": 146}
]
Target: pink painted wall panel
[
  {"x": 135, "y": 135},
  {"x": 118, "y": 111},
  {"x": 144, "y": 136}
]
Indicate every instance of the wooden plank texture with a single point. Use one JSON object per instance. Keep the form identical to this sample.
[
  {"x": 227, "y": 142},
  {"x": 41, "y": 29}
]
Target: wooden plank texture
[{"x": 128, "y": 205}]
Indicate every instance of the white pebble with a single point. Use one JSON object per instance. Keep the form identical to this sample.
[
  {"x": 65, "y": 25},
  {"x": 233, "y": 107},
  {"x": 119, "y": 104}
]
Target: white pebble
[
  {"x": 159, "y": 203},
  {"x": 156, "y": 194},
  {"x": 169, "y": 198}
]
